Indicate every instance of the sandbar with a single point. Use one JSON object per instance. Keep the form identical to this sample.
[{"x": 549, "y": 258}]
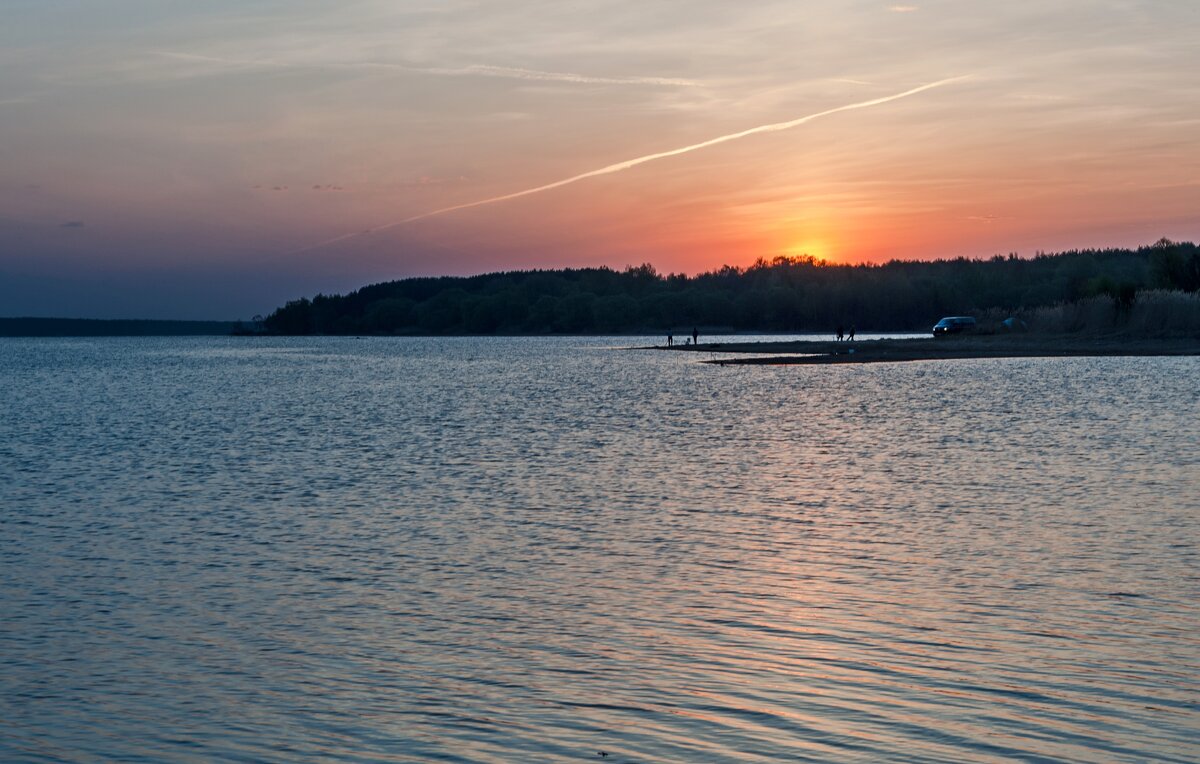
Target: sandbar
[{"x": 936, "y": 349}]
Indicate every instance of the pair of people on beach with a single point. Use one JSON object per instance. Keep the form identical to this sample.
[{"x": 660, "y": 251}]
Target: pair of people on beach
[
  {"x": 842, "y": 335},
  {"x": 695, "y": 338}
]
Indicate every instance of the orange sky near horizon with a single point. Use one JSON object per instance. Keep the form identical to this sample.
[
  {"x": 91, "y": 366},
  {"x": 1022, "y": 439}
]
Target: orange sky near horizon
[{"x": 187, "y": 162}]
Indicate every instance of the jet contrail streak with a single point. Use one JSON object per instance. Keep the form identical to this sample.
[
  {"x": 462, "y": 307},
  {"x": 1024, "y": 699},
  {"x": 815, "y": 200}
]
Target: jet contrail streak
[{"x": 627, "y": 164}]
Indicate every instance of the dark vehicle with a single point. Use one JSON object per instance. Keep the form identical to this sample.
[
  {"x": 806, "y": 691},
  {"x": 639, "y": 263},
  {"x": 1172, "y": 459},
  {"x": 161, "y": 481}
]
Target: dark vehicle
[{"x": 953, "y": 325}]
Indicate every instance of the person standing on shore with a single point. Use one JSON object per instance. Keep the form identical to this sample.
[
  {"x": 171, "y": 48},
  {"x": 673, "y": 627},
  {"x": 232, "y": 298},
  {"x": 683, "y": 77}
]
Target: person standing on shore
[
  {"x": 851, "y": 337},
  {"x": 840, "y": 333},
  {"x": 670, "y": 340},
  {"x": 695, "y": 336}
]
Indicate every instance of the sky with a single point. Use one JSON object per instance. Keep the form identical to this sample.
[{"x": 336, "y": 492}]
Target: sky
[{"x": 175, "y": 159}]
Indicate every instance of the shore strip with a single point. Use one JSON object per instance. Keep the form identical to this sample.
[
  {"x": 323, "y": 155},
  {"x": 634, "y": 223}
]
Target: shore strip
[{"x": 937, "y": 349}]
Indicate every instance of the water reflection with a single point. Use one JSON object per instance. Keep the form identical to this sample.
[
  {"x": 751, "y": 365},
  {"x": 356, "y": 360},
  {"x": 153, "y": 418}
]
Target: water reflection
[{"x": 510, "y": 549}]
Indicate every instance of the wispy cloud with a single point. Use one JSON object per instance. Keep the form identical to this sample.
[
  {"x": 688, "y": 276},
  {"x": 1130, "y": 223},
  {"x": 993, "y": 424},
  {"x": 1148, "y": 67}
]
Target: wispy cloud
[
  {"x": 427, "y": 180},
  {"x": 474, "y": 70},
  {"x": 902, "y": 8},
  {"x": 533, "y": 74},
  {"x": 630, "y": 163}
]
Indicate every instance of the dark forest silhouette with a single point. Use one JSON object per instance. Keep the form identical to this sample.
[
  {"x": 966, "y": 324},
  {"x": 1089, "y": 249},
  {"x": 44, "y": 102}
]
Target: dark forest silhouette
[{"x": 784, "y": 294}]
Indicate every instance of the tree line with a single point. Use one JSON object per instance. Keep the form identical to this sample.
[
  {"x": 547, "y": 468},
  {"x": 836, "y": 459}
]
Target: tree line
[{"x": 792, "y": 294}]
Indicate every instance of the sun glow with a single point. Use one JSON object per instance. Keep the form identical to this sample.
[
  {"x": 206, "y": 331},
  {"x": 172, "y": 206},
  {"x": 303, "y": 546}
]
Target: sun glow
[
  {"x": 811, "y": 232},
  {"x": 818, "y": 248},
  {"x": 806, "y": 238}
]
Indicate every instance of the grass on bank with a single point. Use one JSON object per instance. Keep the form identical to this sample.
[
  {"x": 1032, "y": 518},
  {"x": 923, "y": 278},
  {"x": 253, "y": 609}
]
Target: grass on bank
[{"x": 1155, "y": 313}]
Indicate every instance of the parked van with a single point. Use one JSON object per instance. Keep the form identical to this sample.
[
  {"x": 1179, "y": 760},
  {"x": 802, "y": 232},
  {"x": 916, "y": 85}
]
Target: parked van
[{"x": 953, "y": 325}]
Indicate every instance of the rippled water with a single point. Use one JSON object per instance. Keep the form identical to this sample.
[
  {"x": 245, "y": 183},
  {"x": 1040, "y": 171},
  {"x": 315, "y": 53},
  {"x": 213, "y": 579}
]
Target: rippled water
[{"x": 539, "y": 549}]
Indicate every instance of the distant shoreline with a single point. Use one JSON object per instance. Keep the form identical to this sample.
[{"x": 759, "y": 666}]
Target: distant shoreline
[
  {"x": 942, "y": 348},
  {"x": 94, "y": 327}
]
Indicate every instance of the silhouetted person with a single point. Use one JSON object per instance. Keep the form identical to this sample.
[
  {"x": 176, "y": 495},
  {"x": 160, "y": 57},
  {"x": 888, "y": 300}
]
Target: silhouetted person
[
  {"x": 840, "y": 333},
  {"x": 695, "y": 336},
  {"x": 851, "y": 332},
  {"x": 670, "y": 340}
]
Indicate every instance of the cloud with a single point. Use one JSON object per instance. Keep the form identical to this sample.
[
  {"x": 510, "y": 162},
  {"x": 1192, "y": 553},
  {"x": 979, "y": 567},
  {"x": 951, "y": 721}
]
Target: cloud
[
  {"x": 903, "y": 8},
  {"x": 71, "y": 224},
  {"x": 314, "y": 187},
  {"x": 534, "y": 74},
  {"x": 426, "y": 180},
  {"x": 474, "y": 70}
]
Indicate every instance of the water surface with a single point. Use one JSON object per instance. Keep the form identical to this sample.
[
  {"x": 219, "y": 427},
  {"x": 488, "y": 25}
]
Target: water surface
[{"x": 495, "y": 550}]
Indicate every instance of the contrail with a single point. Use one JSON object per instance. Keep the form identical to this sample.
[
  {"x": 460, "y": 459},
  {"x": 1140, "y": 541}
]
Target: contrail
[{"x": 627, "y": 164}]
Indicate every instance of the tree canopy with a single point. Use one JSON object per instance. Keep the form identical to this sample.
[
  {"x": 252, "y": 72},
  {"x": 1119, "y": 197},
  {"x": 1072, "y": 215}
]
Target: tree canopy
[{"x": 783, "y": 294}]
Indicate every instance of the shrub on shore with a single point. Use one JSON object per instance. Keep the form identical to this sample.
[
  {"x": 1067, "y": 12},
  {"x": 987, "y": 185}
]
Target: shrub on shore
[{"x": 1152, "y": 313}]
